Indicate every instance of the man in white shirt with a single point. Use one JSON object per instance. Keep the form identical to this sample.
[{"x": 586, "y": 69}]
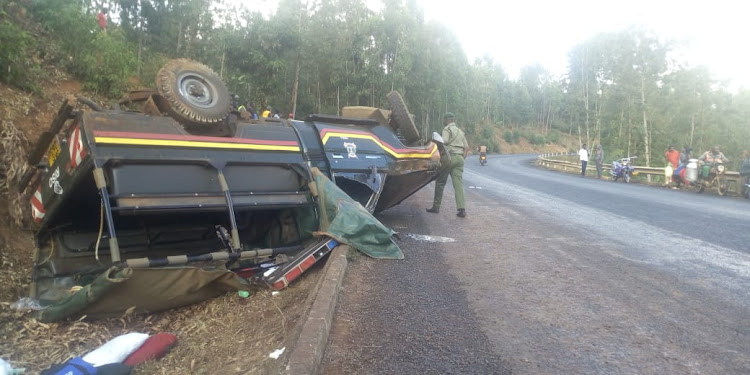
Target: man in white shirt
[{"x": 583, "y": 156}]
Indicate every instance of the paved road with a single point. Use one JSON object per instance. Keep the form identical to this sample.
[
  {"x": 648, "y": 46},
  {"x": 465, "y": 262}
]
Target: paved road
[{"x": 553, "y": 274}]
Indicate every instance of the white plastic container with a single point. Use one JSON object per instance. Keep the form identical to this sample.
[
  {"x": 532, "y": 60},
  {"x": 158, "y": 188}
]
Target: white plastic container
[{"x": 691, "y": 170}]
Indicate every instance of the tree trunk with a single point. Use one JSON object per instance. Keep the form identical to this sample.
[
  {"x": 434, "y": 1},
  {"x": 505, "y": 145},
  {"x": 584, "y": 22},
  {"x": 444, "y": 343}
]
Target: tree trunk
[
  {"x": 585, "y": 99},
  {"x": 646, "y": 137},
  {"x": 179, "y": 34},
  {"x": 692, "y": 128},
  {"x": 223, "y": 58},
  {"x": 295, "y": 86},
  {"x": 630, "y": 134}
]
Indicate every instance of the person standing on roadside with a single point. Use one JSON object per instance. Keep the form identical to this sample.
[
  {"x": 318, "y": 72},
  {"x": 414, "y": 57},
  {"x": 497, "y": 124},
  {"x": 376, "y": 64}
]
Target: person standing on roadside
[
  {"x": 101, "y": 19},
  {"x": 745, "y": 170},
  {"x": 583, "y": 156},
  {"x": 599, "y": 159},
  {"x": 458, "y": 149},
  {"x": 681, "y": 170},
  {"x": 673, "y": 161}
]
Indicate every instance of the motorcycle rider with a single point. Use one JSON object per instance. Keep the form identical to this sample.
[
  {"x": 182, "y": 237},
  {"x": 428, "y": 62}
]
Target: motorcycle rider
[
  {"x": 482, "y": 152},
  {"x": 713, "y": 155},
  {"x": 708, "y": 161}
]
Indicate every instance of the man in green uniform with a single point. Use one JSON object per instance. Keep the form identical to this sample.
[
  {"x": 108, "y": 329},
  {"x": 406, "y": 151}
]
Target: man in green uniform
[{"x": 455, "y": 142}]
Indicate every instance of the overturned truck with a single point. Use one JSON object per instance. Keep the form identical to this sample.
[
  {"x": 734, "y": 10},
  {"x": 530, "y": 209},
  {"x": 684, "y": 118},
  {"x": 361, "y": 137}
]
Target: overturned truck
[{"x": 186, "y": 179}]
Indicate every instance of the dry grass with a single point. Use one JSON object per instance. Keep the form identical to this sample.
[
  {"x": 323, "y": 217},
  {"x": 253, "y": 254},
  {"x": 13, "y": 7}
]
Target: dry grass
[
  {"x": 226, "y": 335},
  {"x": 13, "y": 144}
]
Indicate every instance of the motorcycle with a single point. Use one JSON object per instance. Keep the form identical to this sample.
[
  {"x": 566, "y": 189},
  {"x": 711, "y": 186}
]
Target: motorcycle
[
  {"x": 623, "y": 168},
  {"x": 482, "y": 159},
  {"x": 708, "y": 175}
]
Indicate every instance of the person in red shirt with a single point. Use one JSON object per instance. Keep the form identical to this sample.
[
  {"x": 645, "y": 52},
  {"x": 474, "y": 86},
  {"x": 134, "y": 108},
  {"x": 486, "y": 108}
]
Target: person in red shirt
[
  {"x": 101, "y": 18},
  {"x": 673, "y": 161}
]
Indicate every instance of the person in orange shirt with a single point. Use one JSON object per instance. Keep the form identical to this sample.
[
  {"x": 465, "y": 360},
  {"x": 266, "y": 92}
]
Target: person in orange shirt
[{"x": 673, "y": 161}]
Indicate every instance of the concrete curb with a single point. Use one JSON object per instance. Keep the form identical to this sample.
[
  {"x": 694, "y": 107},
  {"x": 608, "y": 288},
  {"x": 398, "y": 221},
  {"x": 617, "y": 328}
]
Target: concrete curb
[{"x": 305, "y": 357}]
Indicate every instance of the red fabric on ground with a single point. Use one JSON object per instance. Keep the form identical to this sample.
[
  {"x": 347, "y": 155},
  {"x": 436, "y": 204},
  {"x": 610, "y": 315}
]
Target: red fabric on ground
[{"x": 154, "y": 347}]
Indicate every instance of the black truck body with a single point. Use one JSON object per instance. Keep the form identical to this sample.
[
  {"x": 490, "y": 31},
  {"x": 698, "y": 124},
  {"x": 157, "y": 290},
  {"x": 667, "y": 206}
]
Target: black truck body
[{"x": 123, "y": 187}]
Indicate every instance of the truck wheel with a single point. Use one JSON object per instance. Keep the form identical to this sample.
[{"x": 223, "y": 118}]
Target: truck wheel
[
  {"x": 401, "y": 119},
  {"x": 195, "y": 94}
]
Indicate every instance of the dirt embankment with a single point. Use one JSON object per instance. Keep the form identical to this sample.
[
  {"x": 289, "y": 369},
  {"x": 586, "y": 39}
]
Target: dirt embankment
[{"x": 24, "y": 117}]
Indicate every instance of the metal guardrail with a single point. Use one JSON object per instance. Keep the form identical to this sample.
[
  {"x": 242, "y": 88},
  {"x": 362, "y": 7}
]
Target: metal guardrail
[{"x": 734, "y": 181}]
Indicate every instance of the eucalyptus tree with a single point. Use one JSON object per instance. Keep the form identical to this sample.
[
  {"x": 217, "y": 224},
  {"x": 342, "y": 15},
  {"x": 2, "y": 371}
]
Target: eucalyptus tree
[
  {"x": 582, "y": 86},
  {"x": 640, "y": 66},
  {"x": 689, "y": 97},
  {"x": 169, "y": 27},
  {"x": 442, "y": 68},
  {"x": 627, "y": 68}
]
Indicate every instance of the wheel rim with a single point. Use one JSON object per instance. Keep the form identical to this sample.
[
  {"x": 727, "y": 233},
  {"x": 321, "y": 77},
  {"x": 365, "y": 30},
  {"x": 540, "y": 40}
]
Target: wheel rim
[{"x": 196, "y": 90}]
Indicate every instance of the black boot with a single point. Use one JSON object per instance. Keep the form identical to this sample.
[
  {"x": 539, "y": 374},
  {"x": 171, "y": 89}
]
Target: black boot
[
  {"x": 461, "y": 212},
  {"x": 433, "y": 210}
]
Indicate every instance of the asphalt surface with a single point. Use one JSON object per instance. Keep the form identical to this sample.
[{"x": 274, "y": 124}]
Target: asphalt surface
[{"x": 552, "y": 273}]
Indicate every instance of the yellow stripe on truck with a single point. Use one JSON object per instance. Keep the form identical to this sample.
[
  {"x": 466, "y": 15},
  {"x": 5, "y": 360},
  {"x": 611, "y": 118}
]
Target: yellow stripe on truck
[
  {"x": 380, "y": 144},
  {"x": 195, "y": 144}
]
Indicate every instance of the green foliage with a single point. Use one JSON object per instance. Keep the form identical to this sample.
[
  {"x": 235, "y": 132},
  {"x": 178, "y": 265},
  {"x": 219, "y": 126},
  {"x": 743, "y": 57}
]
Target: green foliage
[
  {"x": 537, "y": 139},
  {"x": 512, "y": 136},
  {"x": 106, "y": 66},
  {"x": 553, "y": 136},
  {"x": 19, "y": 68},
  {"x": 104, "y": 61},
  {"x": 150, "y": 66},
  {"x": 348, "y": 54}
]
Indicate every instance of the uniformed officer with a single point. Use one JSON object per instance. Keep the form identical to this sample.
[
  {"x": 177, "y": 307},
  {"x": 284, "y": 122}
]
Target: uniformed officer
[{"x": 455, "y": 142}]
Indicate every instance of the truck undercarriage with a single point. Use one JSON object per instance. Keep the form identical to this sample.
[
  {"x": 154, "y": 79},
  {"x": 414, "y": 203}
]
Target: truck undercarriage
[{"x": 143, "y": 189}]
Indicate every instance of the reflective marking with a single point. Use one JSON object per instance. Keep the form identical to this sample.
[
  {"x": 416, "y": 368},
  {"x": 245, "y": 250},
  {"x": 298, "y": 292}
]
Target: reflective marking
[{"x": 426, "y": 238}]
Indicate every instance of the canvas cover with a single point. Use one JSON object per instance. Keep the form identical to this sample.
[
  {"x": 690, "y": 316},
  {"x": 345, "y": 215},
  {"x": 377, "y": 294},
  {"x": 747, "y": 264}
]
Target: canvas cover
[
  {"x": 145, "y": 290},
  {"x": 345, "y": 220}
]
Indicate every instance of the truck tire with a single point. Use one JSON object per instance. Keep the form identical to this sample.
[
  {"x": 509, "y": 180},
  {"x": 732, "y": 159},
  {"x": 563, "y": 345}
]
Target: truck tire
[
  {"x": 196, "y": 96},
  {"x": 401, "y": 119}
]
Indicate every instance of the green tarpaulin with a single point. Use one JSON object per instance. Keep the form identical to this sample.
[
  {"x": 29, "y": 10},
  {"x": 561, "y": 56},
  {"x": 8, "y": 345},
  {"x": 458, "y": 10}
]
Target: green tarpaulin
[{"x": 347, "y": 221}]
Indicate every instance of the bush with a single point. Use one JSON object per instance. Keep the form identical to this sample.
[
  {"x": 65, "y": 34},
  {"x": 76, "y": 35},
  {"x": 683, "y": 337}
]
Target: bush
[
  {"x": 106, "y": 66},
  {"x": 511, "y": 137},
  {"x": 553, "y": 136},
  {"x": 18, "y": 68},
  {"x": 103, "y": 61},
  {"x": 537, "y": 139}
]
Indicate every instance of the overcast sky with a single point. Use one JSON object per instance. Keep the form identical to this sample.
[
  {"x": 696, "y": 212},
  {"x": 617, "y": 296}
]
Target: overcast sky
[{"x": 521, "y": 32}]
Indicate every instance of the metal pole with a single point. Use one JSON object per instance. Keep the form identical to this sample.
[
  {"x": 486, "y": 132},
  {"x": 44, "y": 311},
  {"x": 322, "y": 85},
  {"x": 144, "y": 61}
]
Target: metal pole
[
  {"x": 230, "y": 206},
  {"x": 101, "y": 184}
]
